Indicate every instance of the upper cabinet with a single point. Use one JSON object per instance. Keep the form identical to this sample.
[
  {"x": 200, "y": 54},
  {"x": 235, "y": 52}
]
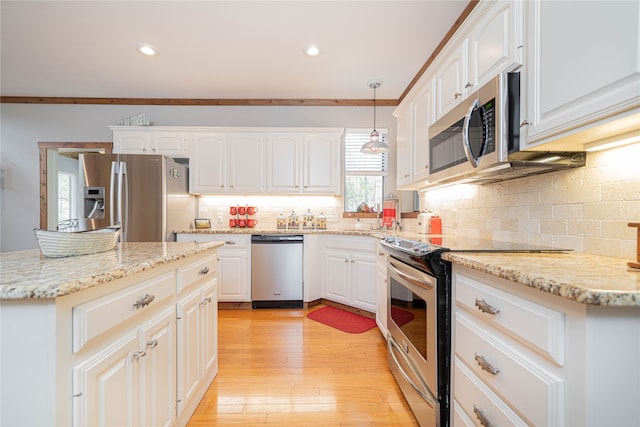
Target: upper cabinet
[
  {"x": 582, "y": 70},
  {"x": 321, "y": 163},
  {"x": 246, "y": 163},
  {"x": 208, "y": 164},
  {"x": 134, "y": 140},
  {"x": 404, "y": 145}
]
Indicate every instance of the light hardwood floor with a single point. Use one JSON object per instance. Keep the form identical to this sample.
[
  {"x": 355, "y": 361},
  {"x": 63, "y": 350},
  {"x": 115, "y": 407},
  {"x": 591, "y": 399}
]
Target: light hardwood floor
[{"x": 277, "y": 367}]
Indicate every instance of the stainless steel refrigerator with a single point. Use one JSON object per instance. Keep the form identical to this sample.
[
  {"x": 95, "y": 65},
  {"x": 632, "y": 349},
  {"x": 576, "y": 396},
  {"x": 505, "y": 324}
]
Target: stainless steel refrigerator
[{"x": 147, "y": 195}]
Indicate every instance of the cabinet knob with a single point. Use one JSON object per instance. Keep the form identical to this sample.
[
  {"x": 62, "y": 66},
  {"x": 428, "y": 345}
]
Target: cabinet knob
[
  {"x": 486, "y": 366},
  {"x": 468, "y": 85},
  {"x": 426, "y": 166},
  {"x": 484, "y": 421},
  {"x": 153, "y": 343},
  {"x": 138, "y": 354},
  {"x": 204, "y": 271},
  {"x": 144, "y": 301},
  {"x": 457, "y": 95},
  {"x": 406, "y": 175},
  {"x": 485, "y": 307},
  {"x": 353, "y": 262},
  {"x": 525, "y": 123},
  {"x": 346, "y": 260}
]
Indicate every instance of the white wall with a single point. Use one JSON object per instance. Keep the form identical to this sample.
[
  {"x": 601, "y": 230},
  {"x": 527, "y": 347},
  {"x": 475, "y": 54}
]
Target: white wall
[
  {"x": 22, "y": 126},
  {"x": 585, "y": 209}
]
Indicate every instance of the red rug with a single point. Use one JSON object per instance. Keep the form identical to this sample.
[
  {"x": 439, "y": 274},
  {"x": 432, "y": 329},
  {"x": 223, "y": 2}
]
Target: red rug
[{"x": 342, "y": 320}]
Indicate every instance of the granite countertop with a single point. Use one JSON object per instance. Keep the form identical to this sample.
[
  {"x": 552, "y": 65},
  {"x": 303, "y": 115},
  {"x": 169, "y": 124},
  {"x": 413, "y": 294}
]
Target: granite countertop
[
  {"x": 29, "y": 274},
  {"x": 587, "y": 279},
  {"x": 246, "y": 230}
]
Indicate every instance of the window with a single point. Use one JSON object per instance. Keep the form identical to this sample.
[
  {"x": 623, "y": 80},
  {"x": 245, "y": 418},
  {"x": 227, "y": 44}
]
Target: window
[
  {"x": 66, "y": 199},
  {"x": 365, "y": 174}
]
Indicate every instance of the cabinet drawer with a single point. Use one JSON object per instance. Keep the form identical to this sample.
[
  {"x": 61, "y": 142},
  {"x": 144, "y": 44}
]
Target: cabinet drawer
[
  {"x": 98, "y": 316},
  {"x": 233, "y": 241},
  {"x": 537, "y": 326},
  {"x": 192, "y": 273},
  {"x": 478, "y": 402},
  {"x": 516, "y": 378}
]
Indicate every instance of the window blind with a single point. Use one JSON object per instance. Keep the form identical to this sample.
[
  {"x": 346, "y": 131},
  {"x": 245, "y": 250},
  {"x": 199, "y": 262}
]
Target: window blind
[{"x": 357, "y": 163}]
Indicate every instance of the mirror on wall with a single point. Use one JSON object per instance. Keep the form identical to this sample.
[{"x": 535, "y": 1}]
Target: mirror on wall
[{"x": 59, "y": 179}]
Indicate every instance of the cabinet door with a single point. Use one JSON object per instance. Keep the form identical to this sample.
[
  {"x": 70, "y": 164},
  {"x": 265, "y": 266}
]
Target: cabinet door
[
  {"x": 423, "y": 117},
  {"x": 381, "y": 280},
  {"x": 321, "y": 167},
  {"x": 170, "y": 143},
  {"x": 404, "y": 147},
  {"x": 189, "y": 353},
  {"x": 337, "y": 275},
  {"x": 106, "y": 386},
  {"x": 451, "y": 77},
  {"x": 159, "y": 370},
  {"x": 129, "y": 142},
  {"x": 246, "y": 163},
  {"x": 363, "y": 281},
  {"x": 583, "y": 64},
  {"x": 283, "y": 163},
  {"x": 208, "y": 165},
  {"x": 209, "y": 309},
  {"x": 495, "y": 42},
  {"x": 233, "y": 277}
]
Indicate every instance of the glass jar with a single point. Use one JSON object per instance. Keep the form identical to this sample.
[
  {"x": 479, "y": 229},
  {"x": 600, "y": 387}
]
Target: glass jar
[
  {"x": 308, "y": 220},
  {"x": 294, "y": 221},
  {"x": 321, "y": 222},
  {"x": 281, "y": 222}
]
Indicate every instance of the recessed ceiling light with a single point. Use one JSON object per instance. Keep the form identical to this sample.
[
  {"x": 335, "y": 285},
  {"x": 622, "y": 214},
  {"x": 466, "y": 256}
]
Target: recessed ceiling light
[
  {"x": 312, "y": 50},
  {"x": 146, "y": 49}
]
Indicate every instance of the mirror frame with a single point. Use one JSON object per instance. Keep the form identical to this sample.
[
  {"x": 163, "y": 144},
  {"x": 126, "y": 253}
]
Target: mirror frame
[{"x": 43, "y": 148}]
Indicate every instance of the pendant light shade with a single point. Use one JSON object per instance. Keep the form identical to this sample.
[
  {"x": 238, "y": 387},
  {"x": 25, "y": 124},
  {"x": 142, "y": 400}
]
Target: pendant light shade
[{"x": 375, "y": 144}]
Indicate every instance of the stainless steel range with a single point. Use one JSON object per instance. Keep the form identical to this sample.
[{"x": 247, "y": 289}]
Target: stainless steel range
[{"x": 419, "y": 325}]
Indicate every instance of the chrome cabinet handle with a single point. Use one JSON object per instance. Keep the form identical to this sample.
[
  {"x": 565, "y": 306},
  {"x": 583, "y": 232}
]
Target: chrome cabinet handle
[
  {"x": 204, "y": 271},
  {"x": 468, "y": 85},
  {"x": 229, "y": 242},
  {"x": 484, "y": 421},
  {"x": 138, "y": 354},
  {"x": 457, "y": 95},
  {"x": 205, "y": 302},
  {"x": 525, "y": 123},
  {"x": 144, "y": 301},
  {"x": 485, "y": 307},
  {"x": 486, "y": 366},
  {"x": 153, "y": 343}
]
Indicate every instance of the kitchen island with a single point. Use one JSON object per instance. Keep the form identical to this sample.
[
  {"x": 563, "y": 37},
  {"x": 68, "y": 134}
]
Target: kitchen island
[{"x": 127, "y": 336}]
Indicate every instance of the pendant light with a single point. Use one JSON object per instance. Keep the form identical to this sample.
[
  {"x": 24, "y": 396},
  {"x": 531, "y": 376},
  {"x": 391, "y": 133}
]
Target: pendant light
[{"x": 375, "y": 144}]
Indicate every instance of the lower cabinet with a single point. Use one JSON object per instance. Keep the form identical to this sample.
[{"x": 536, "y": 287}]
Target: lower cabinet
[
  {"x": 132, "y": 381},
  {"x": 381, "y": 289},
  {"x": 234, "y": 264},
  {"x": 197, "y": 340},
  {"x": 350, "y": 273}
]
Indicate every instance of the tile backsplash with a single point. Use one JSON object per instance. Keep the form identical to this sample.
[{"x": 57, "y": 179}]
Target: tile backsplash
[{"x": 585, "y": 209}]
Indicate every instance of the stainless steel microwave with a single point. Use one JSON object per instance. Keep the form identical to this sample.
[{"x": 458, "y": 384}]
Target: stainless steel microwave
[{"x": 479, "y": 140}]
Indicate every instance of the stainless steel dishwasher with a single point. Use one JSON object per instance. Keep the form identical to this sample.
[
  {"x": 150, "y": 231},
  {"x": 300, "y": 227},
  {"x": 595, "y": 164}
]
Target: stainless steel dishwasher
[{"x": 276, "y": 271}]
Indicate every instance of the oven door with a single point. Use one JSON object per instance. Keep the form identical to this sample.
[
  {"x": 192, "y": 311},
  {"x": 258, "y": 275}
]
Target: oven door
[{"x": 412, "y": 341}]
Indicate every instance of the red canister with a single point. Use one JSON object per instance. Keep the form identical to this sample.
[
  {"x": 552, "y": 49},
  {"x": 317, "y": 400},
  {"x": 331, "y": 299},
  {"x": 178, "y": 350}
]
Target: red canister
[
  {"x": 435, "y": 225},
  {"x": 389, "y": 213}
]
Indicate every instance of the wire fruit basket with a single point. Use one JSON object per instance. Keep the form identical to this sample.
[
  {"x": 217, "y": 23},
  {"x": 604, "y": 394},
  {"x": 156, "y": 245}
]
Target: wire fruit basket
[{"x": 59, "y": 244}]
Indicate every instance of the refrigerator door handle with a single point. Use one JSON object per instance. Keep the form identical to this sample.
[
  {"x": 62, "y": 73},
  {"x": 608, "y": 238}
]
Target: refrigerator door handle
[
  {"x": 112, "y": 189},
  {"x": 125, "y": 200}
]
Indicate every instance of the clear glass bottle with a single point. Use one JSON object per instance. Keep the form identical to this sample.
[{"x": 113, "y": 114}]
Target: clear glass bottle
[
  {"x": 294, "y": 221},
  {"x": 321, "y": 221},
  {"x": 281, "y": 222},
  {"x": 308, "y": 220}
]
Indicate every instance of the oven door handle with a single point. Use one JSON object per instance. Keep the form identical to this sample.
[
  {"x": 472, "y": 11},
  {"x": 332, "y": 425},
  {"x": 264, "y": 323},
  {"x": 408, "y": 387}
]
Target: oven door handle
[
  {"x": 407, "y": 276},
  {"x": 425, "y": 393}
]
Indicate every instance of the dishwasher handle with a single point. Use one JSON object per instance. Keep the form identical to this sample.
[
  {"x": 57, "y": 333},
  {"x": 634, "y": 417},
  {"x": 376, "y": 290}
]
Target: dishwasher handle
[{"x": 276, "y": 238}]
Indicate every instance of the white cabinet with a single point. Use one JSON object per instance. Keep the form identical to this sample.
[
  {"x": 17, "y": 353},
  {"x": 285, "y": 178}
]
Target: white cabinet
[
  {"x": 141, "y": 140},
  {"x": 208, "y": 164},
  {"x": 404, "y": 145},
  {"x": 283, "y": 164},
  {"x": 197, "y": 340},
  {"x": 350, "y": 272},
  {"x": 381, "y": 290},
  {"x": 246, "y": 163},
  {"x": 452, "y": 76},
  {"x": 423, "y": 111},
  {"x": 271, "y": 160},
  {"x": 582, "y": 67},
  {"x": 321, "y": 163},
  {"x": 234, "y": 264}
]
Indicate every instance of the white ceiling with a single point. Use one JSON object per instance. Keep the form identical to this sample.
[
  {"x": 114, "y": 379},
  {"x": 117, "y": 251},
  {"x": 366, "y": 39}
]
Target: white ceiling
[{"x": 218, "y": 49}]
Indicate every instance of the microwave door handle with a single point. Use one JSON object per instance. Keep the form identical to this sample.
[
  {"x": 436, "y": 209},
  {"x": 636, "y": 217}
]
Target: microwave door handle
[
  {"x": 422, "y": 391},
  {"x": 466, "y": 144}
]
